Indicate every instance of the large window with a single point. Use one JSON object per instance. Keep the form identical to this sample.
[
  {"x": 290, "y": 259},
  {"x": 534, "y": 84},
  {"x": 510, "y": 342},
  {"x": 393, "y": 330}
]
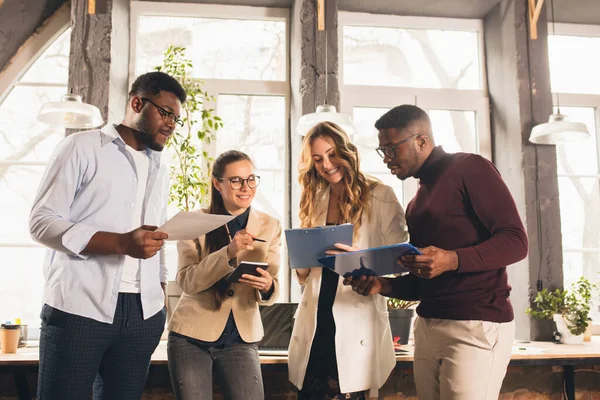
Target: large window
[
  {"x": 25, "y": 146},
  {"x": 574, "y": 61},
  {"x": 241, "y": 55},
  {"x": 436, "y": 64}
]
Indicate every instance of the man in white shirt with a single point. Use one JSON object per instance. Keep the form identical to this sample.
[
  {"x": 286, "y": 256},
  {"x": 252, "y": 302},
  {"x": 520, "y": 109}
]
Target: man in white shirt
[{"x": 103, "y": 194}]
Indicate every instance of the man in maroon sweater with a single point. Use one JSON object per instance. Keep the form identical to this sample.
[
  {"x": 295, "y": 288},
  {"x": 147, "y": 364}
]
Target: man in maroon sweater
[{"x": 464, "y": 220}]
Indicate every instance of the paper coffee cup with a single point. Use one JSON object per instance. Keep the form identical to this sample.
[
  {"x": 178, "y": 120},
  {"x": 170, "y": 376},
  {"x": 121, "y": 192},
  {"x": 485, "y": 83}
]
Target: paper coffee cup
[{"x": 9, "y": 338}]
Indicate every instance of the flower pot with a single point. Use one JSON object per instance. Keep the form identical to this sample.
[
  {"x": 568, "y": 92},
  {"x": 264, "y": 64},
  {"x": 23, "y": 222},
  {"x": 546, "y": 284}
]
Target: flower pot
[
  {"x": 566, "y": 336},
  {"x": 400, "y": 323}
]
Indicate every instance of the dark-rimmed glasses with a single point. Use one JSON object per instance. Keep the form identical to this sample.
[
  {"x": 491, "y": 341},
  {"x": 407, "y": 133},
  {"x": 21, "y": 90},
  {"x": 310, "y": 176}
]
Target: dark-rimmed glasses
[
  {"x": 390, "y": 150},
  {"x": 237, "y": 182},
  {"x": 164, "y": 113}
]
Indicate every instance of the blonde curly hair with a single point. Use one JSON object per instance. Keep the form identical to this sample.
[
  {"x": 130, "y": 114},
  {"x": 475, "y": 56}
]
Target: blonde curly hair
[{"x": 356, "y": 196}]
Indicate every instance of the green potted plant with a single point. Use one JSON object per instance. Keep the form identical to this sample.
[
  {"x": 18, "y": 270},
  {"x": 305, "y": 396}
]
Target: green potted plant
[
  {"x": 401, "y": 316},
  {"x": 568, "y": 308},
  {"x": 190, "y": 177}
]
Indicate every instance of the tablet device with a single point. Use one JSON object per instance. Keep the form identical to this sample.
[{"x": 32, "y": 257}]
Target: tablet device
[{"x": 245, "y": 267}]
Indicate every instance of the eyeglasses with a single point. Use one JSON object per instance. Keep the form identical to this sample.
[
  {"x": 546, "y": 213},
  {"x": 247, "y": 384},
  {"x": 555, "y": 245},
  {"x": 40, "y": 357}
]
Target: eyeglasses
[
  {"x": 164, "y": 113},
  {"x": 390, "y": 151},
  {"x": 236, "y": 182}
]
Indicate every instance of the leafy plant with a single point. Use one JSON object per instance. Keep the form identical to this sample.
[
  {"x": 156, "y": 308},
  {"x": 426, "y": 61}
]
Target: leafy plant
[
  {"x": 572, "y": 304},
  {"x": 190, "y": 179},
  {"x": 396, "y": 304}
]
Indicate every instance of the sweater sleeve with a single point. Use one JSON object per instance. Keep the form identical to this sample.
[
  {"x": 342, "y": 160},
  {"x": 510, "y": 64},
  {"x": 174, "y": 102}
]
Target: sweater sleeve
[
  {"x": 405, "y": 287},
  {"x": 495, "y": 208}
]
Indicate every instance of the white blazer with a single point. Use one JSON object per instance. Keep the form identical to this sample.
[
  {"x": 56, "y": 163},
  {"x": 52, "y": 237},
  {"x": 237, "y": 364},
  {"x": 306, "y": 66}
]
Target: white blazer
[{"x": 363, "y": 339}]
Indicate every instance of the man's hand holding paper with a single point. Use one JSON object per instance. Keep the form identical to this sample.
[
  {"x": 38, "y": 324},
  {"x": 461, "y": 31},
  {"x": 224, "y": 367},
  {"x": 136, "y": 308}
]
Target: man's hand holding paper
[{"x": 188, "y": 225}]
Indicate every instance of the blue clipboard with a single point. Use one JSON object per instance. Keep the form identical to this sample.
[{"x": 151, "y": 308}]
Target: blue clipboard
[
  {"x": 307, "y": 245},
  {"x": 382, "y": 260}
]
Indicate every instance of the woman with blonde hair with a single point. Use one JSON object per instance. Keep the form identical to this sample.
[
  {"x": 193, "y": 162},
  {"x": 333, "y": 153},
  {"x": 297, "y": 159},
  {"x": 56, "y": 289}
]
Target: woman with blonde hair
[
  {"x": 330, "y": 355},
  {"x": 216, "y": 324}
]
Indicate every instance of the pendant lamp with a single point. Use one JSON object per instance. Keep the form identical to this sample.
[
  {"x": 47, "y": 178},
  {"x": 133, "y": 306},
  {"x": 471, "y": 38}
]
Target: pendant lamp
[
  {"x": 558, "y": 129},
  {"x": 71, "y": 112}
]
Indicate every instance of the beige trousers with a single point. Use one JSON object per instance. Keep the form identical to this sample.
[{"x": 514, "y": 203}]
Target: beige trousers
[{"x": 461, "y": 360}]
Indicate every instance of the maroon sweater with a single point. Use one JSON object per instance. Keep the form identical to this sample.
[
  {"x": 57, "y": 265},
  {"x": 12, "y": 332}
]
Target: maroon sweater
[{"x": 464, "y": 205}]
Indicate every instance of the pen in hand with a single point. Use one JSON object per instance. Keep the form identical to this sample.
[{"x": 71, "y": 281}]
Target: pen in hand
[{"x": 259, "y": 240}]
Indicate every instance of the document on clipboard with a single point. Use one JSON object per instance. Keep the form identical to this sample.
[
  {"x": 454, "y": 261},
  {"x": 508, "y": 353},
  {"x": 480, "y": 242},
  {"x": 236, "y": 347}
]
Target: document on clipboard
[
  {"x": 382, "y": 260},
  {"x": 307, "y": 245}
]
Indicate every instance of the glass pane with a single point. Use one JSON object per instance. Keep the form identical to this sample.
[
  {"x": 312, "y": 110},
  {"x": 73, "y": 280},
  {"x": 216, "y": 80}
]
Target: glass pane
[
  {"x": 256, "y": 126},
  {"x": 574, "y": 64},
  {"x": 577, "y": 264},
  {"x": 411, "y": 57},
  {"x": 455, "y": 131},
  {"x": 366, "y": 140},
  {"x": 218, "y": 48},
  {"x": 18, "y": 187},
  {"x": 581, "y": 156},
  {"x": 21, "y": 289},
  {"x": 579, "y": 205},
  {"x": 22, "y": 138},
  {"x": 53, "y": 64}
]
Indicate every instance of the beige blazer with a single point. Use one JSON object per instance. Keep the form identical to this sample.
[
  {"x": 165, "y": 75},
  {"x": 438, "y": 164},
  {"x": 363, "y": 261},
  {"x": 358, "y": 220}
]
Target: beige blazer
[
  {"x": 363, "y": 339},
  {"x": 196, "y": 315}
]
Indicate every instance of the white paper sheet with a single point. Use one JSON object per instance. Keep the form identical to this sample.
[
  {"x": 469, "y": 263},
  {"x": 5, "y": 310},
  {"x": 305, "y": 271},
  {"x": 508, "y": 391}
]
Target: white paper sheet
[{"x": 188, "y": 225}]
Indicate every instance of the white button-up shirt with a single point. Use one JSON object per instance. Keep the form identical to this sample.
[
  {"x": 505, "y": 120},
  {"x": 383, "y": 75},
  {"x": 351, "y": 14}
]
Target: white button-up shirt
[{"x": 88, "y": 187}]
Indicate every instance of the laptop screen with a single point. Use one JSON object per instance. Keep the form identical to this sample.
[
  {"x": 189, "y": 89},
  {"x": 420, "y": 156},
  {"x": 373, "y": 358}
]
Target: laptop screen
[{"x": 278, "y": 322}]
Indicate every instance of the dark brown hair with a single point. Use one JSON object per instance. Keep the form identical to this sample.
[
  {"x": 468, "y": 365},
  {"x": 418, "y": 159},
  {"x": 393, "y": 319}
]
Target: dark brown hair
[{"x": 219, "y": 238}]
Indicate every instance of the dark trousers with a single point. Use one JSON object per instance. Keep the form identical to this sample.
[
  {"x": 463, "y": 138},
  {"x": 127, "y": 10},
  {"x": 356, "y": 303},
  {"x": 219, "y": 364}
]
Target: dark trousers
[
  {"x": 75, "y": 350},
  {"x": 236, "y": 368}
]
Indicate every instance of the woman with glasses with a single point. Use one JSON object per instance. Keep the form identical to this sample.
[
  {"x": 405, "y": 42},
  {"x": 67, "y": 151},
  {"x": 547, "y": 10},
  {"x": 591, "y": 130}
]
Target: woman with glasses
[
  {"x": 331, "y": 356},
  {"x": 216, "y": 324}
]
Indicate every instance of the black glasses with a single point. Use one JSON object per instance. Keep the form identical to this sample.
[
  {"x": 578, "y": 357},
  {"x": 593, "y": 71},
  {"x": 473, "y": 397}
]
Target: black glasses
[
  {"x": 164, "y": 113},
  {"x": 236, "y": 182},
  {"x": 390, "y": 151}
]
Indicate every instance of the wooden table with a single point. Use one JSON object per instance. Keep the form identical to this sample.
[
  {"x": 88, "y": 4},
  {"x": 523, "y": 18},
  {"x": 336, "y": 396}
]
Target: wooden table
[{"x": 524, "y": 354}]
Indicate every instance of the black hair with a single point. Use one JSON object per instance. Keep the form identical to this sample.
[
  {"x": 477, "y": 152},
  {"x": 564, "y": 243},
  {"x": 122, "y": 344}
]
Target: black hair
[
  {"x": 152, "y": 83},
  {"x": 401, "y": 117}
]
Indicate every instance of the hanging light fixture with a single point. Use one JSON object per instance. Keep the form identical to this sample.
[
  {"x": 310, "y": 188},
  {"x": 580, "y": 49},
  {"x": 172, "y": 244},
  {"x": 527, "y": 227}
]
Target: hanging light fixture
[
  {"x": 325, "y": 112},
  {"x": 558, "y": 129},
  {"x": 71, "y": 112}
]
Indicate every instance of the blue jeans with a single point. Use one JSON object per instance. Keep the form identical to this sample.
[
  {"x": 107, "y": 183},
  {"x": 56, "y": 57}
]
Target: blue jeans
[{"x": 236, "y": 369}]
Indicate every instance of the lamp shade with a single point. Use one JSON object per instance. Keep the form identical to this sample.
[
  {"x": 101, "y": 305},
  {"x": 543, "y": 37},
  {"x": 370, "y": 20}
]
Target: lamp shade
[
  {"x": 324, "y": 113},
  {"x": 70, "y": 113},
  {"x": 558, "y": 130}
]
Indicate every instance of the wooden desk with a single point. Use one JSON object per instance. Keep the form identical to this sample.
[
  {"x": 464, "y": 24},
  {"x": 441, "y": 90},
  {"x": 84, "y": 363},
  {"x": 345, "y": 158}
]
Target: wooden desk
[{"x": 524, "y": 354}]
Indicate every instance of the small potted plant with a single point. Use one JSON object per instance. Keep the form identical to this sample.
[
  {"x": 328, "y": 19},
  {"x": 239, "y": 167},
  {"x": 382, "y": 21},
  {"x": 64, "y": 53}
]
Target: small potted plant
[
  {"x": 189, "y": 176},
  {"x": 401, "y": 316},
  {"x": 568, "y": 308}
]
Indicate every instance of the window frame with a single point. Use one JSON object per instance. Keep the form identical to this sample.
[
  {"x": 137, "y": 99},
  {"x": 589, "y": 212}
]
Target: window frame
[
  {"x": 217, "y": 87},
  {"x": 10, "y": 76},
  {"x": 579, "y": 100},
  {"x": 18, "y": 66},
  {"x": 429, "y": 99},
  {"x": 31, "y": 50}
]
